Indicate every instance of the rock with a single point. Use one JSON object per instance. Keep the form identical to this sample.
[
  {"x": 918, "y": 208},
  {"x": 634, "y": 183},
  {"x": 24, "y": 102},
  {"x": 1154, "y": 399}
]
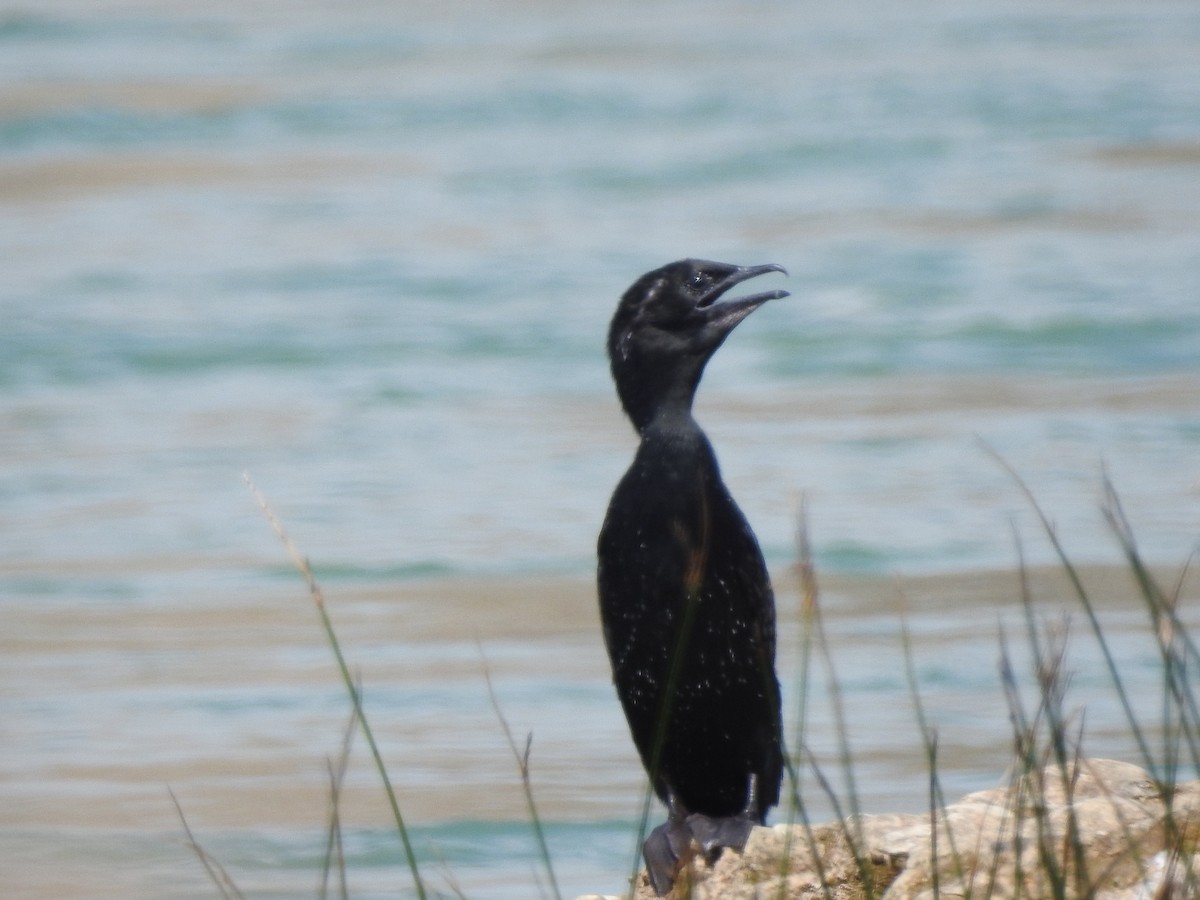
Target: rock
[{"x": 1103, "y": 829}]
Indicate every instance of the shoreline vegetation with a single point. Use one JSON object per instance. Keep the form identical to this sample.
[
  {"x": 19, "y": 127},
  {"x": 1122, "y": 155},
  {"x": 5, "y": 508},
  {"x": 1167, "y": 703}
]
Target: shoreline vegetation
[
  {"x": 1064, "y": 826},
  {"x": 1099, "y": 828},
  {"x": 231, "y": 642}
]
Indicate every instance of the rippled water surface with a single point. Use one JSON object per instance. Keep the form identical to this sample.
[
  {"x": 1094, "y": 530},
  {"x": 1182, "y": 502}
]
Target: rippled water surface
[{"x": 367, "y": 253}]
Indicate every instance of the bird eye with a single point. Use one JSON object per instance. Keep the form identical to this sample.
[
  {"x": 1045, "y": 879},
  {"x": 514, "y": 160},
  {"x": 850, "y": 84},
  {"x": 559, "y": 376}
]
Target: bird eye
[{"x": 699, "y": 280}]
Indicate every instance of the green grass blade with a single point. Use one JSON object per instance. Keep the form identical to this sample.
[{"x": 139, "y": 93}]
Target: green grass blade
[
  {"x": 318, "y": 598},
  {"x": 1089, "y": 610},
  {"x": 216, "y": 872},
  {"x": 526, "y": 783}
]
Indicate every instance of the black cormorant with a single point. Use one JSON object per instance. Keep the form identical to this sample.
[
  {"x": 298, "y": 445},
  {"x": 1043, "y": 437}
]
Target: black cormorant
[{"x": 685, "y": 599}]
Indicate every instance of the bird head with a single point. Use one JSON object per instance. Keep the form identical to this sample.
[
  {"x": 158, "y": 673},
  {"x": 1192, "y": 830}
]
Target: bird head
[{"x": 667, "y": 326}]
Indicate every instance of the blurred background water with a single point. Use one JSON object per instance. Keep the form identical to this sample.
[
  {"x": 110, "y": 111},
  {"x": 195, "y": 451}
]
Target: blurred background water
[{"x": 367, "y": 252}]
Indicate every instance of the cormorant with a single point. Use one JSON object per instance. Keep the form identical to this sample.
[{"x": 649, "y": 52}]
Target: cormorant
[{"x": 685, "y": 599}]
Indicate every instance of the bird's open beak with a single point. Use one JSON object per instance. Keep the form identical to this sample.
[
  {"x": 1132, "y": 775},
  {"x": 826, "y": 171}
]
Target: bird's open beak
[{"x": 725, "y": 315}]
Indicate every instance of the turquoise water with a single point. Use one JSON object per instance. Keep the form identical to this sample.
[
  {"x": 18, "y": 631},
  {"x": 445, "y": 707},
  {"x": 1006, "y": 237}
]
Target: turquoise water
[{"x": 367, "y": 253}]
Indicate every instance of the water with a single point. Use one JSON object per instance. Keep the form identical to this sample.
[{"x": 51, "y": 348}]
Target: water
[{"x": 367, "y": 254}]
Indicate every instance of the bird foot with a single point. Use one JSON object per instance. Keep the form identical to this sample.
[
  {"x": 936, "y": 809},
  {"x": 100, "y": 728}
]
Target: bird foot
[
  {"x": 714, "y": 834},
  {"x": 664, "y": 851}
]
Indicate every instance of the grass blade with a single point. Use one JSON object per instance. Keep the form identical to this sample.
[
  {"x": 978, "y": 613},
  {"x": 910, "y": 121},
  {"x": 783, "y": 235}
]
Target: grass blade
[
  {"x": 523, "y": 766},
  {"x": 215, "y": 870},
  {"x": 1089, "y": 609},
  {"x": 318, "y": 598},
  {"x": 334, "y": 849}
]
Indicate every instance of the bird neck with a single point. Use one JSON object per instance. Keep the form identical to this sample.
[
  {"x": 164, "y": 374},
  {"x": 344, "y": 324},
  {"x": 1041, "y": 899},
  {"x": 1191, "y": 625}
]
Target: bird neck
[
  {"x": 669, "y": 414},
  {"x": 651, "y": 396},
  {"x": 670, "y": 422},
  {"x": 653, "y": 387}
]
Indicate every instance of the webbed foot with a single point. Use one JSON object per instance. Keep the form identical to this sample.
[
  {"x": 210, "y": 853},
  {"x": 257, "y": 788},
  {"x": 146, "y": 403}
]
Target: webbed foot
[
  {"x": 713, "y": 834},
  {"x": 663, "y": 851}
]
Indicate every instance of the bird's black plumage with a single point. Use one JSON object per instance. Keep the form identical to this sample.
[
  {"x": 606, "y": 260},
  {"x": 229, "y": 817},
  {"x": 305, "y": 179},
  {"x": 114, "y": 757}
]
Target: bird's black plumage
[{"x": 685, "y": 599}]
